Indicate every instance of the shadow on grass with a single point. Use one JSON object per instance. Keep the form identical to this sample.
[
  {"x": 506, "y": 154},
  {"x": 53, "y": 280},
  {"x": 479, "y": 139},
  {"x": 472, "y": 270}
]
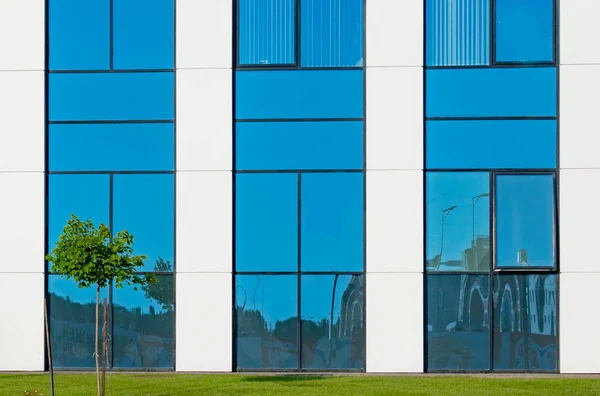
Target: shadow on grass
[{"x": 283, "y": 378}]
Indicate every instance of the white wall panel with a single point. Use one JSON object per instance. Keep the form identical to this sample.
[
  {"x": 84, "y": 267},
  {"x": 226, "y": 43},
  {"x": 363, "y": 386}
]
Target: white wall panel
[
  {"x": 579, "y": 31},
  {"x": 204, "y": 322},
  {"x": 22, "y": 34}
]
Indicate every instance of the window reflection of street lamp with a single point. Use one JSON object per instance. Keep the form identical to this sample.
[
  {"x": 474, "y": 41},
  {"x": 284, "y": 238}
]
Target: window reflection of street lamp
[
  {"x": 474, "y": 201},
  {"x": 445, "y": 213}
]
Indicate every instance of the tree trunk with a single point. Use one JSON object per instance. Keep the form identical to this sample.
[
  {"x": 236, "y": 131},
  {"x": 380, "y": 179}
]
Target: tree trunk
[
  {"x": 48, "y": 346},
  {"x": 96, "y": 344},
  {"x": 104, "y": 350}
]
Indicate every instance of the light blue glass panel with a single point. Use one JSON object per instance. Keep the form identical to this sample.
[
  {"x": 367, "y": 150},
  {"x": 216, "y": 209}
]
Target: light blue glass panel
[
  {"x": 267, "y": 32},
  {"x": 299, "y": 94},
  {"x": 111, "y": 147},
  {"x": 491, "y": 92},
  {"x": 299, "y": 145},
  {"x": 144, "y": 34},
  {"x": 111, "y": 96},
  {"x": 332, "y": 33},
  {"x": 332, "y": 231},
  {"x": 266, "y": 228},
  {"x": 267, "y": 321},
  {"x": 458, "y": 221},
  {"x": 144, "y": 205},
  {"x": 457, "y": 32},
  {"x": 79, "y": 34},
  {"x": 525, "y": 221},
  {"x": 491, "y": 144},
  {"x": 524, "y": 30}
]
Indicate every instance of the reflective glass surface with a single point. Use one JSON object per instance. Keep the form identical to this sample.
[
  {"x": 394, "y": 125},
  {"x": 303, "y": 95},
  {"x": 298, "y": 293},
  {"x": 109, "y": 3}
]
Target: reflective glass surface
[
  {"x": 267, "y": 321},
  {"x": 525, "y": 221},
  {"x": 458, "y": 328},
  {"x": 333, "y": 330},
  {"x": 458, "y": 221}
]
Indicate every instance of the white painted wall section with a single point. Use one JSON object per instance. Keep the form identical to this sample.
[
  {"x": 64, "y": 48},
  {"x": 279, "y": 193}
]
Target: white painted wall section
[{"x": 22, "y": 35}]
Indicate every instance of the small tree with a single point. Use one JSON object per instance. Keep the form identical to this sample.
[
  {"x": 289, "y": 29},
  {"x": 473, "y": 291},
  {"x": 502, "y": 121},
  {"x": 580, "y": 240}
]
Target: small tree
[{"x": 93, "y": 257}]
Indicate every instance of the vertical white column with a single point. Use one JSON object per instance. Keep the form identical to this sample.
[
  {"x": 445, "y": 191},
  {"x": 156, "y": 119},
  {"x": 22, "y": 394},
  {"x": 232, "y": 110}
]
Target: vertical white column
[{"x": 394, "y": 287}]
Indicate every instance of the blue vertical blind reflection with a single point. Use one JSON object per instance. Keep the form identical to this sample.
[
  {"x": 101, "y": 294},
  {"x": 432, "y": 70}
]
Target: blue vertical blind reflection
[
  {"x": 266, "y": 31},
  {"x": 457, "y": 32},
  {"x": 332, "y": 33}
]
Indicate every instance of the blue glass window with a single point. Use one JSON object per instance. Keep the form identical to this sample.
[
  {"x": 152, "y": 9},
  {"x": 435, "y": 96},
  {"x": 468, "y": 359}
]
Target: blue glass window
[
  {"x": 491, "y": 92},
  {"x": 111, "y": 147},
  {"x": 333, "y": 331},
  {"x": 525, "y": 221},
  {"x": 457, "y": 32},
  {"x": 332, "y": 33},
  {"x": 266, "y": 222},
  {"x": 267, "y": 321},
  {"x": 332, "y": 214},
  {"x": 525, "y": 322},
  {"x": 111, "y": 96},
  {"x": 267, "y": 31},
  {"x": 524, "y": 30},
  {"x": 299, "y": 145},
  {"x": 458, "y": 221},
  {"x": 299, "y": 94},
  {"x": 144, "y": 205},
  {"x": 79, "y": 34},
  {"x": 144, "y": 325},
  {"x": 144, "y": 34},
  {"x": 491, "y": 144},
  {"x": 458, "y": 328}
]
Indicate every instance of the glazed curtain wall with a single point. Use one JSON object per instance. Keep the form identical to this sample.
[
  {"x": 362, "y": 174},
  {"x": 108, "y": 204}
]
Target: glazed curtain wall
[
  {"x": 111, "y": 159},
  {"x": 491, "y": 186}
]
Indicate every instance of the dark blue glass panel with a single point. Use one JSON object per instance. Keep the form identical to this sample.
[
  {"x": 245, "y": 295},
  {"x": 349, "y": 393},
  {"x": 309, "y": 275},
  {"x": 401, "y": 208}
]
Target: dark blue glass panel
[
  {"x": 457, "y": 32},
  {"x": 299, "y": 94},
  {"x": 458, "y": 221},
  {"x": 333, "y": 330},
  {"x": 525, "y": 322},
  {"x": 144, "y": 205},
  {"x": 144, "y": 34},
  {"x": 332, "y": 33},
  {"x": 299, "y": 145},
  {"x": 458, "y": 328},
  {"x": 79, "y": 34},
  {"x": 491, "y": 92},
  {"x": 267, "y": 32},
  {"x": 491, "y": 144},
  {"x": 72, "y": 317},
  {"x": 111, "y": 96},
  {"x": 111, "y": 147},
  {"x": 525, "y": 221},
  {"x": 266, "y": 228},
  {"x": 144, "y": 325},
  {"x": 524, "y": 30},
  {"x": 267, "y": 321},
  {"x": 332, "y": 231}
]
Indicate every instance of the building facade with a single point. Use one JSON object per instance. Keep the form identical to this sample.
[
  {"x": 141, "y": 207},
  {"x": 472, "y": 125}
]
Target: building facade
[{"x": 318, "y": 185}]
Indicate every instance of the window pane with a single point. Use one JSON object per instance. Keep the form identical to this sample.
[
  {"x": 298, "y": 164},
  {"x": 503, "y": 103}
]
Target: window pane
[
  {"x": 299, "y": 145},
  {"x": 79, "y": 34},
  {"x": 525, "y": 221},
  {"x": 266, "y": 229},
  {"x": 266, "y": 32},
  {"x": 267, "y": 321},
  {"x": 332, "y": 232},
  {"x": 458, "y": 329},
  {"x": 491, "y": 92},
  {"x": 525, "y": 322},
  {"x": 333, "y": 331},
  {"x": 144, "y": 325},
  {"x": 144, "y": 206},
  {"x": 111, "y": 147},
  {"x": 299, "y": 94},
  {"x": 458, "y": 221},
  {"x": 457, "y": 32},
  {"x": 72, "y": 313},
  {"x": 332, "y": 33},
  {"x": 144, "y": 34},
  {"x": 524, "y": 30},
  {"x": 491, "y": 144}
]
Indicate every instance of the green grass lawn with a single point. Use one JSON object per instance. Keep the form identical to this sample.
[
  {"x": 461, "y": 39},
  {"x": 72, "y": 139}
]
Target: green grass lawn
[{"x": 235, "y": 384}]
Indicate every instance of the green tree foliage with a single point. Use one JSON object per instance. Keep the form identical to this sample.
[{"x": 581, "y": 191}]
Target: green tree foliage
[{"x": 162, "y": 292}]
